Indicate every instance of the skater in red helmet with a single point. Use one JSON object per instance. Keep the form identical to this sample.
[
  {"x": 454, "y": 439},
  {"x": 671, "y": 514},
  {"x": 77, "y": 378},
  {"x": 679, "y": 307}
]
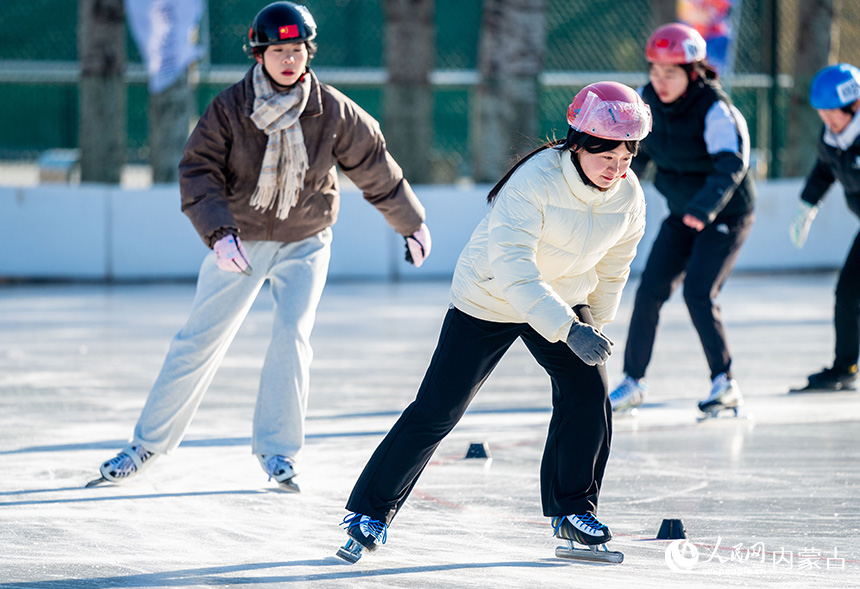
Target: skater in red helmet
[
  {"x": 258, "y": 183},
  {"x": 546, "y": 265},
  {"x": 700, "y": 148},
  {"x": 835, "y": 95}
]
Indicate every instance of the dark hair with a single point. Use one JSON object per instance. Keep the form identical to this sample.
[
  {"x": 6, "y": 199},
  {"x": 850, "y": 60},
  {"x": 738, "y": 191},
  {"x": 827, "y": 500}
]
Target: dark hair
[
  {"x": 261, "y": 49},
  {"x": 700, "y": 69},
  {"x": 574, "y": 141},
  {"x": 850, "y": 109},
  {"x": 695, "y": 70}
]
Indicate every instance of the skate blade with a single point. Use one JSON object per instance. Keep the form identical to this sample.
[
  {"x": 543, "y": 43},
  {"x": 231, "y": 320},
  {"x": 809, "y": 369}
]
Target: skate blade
[
  {"x": 96, "y": 482},
  {"x": 723, "y": 413},
  {"x": 350, "y": 552},
  {"x": 809, "y": 389},
  {"x": 288, "y": 486},
  {"x": 590, "y": 554}
]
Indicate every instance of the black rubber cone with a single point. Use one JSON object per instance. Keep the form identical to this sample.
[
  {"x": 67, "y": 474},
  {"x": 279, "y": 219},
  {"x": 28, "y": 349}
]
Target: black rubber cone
[
  {"x": 672, "y": 529},
  {"x": 478, "y": 450}
]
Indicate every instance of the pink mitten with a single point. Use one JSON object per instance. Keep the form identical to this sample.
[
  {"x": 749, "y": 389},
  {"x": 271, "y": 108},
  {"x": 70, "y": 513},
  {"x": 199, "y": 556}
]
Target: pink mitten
[
  {"x": 418, "y": 246},
  {"x": 230, "y": 255}
]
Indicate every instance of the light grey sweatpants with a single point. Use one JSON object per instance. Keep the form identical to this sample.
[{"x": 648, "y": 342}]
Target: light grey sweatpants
[{"x": 297, "y": 274}]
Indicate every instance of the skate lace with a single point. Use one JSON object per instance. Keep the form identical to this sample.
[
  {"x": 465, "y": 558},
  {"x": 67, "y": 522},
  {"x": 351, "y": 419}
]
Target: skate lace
[
  {"x": 591, "y": 521},
  {"x": 276, "y": 464},
  {"x": 122, "y": 464},
  {"x": 720, "y": 386},
  {"x": 376, "y": 528},
  {"x": 588, "y": 519}
]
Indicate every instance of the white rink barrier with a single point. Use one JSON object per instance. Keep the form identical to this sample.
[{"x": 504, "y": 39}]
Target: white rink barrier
[{"x": 98, "y": 232}]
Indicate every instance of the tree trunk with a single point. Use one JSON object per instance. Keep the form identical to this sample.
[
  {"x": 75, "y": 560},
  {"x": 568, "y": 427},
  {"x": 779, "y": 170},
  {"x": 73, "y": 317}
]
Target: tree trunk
[
  {"x": 817, "y": 44},
  {"x": 506, "y": 124},
  {"x": 102, "y": 107},
  {"x": 409, "y": 57},
  {"x": 663, "y": 12},
  {"x": 169, "y": 115}
]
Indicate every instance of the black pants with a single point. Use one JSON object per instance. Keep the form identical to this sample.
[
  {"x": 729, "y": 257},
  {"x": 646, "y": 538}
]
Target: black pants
[
  {"x": 846, "y": 316},
  {"x": 580, "y": 428},
  {"x": 702, "y": 260}
]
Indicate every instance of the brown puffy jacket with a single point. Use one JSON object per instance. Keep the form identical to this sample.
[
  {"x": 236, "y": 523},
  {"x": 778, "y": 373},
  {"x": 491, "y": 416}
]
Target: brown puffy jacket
[{"x": 222, "y": 158}]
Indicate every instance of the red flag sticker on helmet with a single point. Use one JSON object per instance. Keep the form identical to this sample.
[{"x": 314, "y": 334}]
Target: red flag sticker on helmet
[{"x": 288, "y": 31}]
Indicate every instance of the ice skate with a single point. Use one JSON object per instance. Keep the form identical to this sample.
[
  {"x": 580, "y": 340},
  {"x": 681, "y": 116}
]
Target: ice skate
[
  {"x": 282, "y": 470},
  {"x": 628, "y": 396},
  {"x": 128, "y": 463},
  {"x": 584, "y": 529},
  {"x": 364, "y": 533},
  {"x": 725, "y": 396},
  {"x": 830, "y": 380}
]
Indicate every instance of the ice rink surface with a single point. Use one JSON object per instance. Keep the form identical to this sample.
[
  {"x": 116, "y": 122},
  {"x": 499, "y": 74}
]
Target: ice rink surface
[{"x": 770, "y": 500}]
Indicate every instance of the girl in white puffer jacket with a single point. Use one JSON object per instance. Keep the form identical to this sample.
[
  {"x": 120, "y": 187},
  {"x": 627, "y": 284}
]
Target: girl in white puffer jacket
[{"x": 547, "y": 265}]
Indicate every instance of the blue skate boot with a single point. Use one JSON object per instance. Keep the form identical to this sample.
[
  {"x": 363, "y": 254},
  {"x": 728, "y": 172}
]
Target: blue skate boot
[
  {"x": 628, "y": 395},
  {"x": 725, "y": 396}
]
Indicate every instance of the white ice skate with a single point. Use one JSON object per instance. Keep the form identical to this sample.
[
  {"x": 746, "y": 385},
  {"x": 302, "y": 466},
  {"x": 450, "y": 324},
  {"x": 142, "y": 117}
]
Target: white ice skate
[
  {"x": 628, "y": 396},
  {"x": 128, "y": 463},
  {"x": 282, "y": 470},
  {"x": 584, "y": 529},
  {"x": 725, "y": 396},
  {"x": 365, "y": 533}
]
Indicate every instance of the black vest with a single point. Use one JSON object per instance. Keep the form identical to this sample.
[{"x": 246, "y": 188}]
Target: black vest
[
  {"x": 835, "y": 164},
  {"x": 677, "y": 146}
]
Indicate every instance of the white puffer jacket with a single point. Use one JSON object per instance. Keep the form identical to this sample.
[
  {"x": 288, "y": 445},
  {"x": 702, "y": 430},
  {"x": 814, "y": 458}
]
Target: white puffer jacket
[{"x": 551, "y": 242}]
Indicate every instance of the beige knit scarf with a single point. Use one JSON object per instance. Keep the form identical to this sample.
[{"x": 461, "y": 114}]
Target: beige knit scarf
[{"x": 285, "y": 162}]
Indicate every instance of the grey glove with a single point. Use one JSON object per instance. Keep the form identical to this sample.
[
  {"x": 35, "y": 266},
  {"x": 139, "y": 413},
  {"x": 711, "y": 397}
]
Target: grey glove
[{"x": 589, "y": 344}]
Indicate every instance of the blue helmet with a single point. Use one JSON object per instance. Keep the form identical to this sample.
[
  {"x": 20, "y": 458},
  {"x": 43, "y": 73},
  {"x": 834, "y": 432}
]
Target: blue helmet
[{"x": 835, "y": 86}]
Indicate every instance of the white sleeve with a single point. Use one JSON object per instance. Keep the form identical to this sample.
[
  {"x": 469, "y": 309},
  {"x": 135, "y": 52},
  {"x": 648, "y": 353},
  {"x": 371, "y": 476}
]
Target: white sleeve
[{"x": 726, "y": 130}]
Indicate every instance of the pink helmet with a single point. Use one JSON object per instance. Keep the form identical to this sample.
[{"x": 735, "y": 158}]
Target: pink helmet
[
  {"x": 610, "y": 110},
  {"x": 676, "y": 43}
]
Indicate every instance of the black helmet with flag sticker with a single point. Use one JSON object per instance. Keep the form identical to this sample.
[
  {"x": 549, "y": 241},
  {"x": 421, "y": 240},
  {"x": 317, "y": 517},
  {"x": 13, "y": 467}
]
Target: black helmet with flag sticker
[{"x": 280, "y": 23}]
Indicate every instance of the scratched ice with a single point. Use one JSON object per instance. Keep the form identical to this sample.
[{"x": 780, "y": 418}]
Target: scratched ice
[{"x": 767, "y": 500}]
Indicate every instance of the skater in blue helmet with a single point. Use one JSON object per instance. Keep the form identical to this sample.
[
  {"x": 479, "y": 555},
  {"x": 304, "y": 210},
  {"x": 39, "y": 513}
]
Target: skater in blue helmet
[
  {"x": 835, "y": 94},
  {"x": 258, "y": 182},
  {"x": 700, "y": 148},
  {"x": 546, "y": 265}
]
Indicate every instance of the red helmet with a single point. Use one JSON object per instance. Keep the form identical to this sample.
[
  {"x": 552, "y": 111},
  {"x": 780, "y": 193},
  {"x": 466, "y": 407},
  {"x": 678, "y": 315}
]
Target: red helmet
[
  {"x": 676, "y": 43},
  {"x": 610, "y": 110}
]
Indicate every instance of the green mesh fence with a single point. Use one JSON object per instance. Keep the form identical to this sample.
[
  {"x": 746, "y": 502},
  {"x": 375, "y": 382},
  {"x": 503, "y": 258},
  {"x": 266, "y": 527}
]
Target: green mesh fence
[{"x": 605, "y": 36}]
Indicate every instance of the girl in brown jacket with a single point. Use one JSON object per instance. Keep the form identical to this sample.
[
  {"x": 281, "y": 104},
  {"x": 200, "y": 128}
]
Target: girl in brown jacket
[{"x": 258, "y": 183}]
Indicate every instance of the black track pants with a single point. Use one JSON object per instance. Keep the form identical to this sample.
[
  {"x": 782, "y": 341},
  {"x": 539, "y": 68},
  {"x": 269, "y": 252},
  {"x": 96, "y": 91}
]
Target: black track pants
[
  {"x": 846, "y": 315},
  {"x": 580, "y": 429},
  {"x": 702, "y": 261}
]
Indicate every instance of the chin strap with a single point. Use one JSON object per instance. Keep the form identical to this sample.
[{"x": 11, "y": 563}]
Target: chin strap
[{"x": 585, "y": 179}]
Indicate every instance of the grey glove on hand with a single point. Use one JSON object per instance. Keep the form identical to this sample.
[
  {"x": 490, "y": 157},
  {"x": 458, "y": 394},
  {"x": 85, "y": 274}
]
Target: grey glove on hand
[{"x": 589, "y": 344}]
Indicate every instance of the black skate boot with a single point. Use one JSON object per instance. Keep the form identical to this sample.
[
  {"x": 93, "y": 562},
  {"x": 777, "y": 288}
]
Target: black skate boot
[
  {"x": 364, "y": 533},
  {"x": 831, "y": 379},
  {"x": 584, "y": 529}
]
